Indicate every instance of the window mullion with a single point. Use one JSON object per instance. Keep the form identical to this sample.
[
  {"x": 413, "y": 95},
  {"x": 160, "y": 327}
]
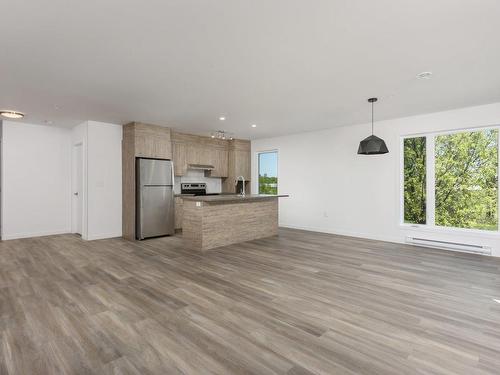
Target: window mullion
[{"x": 430, "y": 180}]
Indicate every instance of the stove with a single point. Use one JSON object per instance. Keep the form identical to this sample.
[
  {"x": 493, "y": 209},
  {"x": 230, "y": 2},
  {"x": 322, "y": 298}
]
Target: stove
[{"x": 196, "y": 188}]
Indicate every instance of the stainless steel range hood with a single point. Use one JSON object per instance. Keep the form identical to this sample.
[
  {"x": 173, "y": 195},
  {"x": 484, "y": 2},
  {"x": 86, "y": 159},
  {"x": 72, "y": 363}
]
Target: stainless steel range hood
[{"x": 203, "y": 167}]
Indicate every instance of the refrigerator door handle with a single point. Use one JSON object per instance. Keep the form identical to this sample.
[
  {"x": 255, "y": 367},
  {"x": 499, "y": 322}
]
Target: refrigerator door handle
[{"x": 173, "y": 174}]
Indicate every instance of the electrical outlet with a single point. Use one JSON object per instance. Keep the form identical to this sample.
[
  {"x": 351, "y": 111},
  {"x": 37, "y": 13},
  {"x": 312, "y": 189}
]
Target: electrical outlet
[{"x": 325, "y": 214}]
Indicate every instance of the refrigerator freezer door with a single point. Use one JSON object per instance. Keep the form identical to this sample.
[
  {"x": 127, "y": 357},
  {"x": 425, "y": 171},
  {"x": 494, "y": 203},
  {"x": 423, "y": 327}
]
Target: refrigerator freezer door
[
  {"x": 155, "y": 172},
  {"x": 156, "y": 216}
]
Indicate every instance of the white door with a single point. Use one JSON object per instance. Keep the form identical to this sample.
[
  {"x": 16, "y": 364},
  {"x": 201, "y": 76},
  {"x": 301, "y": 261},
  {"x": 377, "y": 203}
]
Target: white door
[{"x": 77, "y": 188}]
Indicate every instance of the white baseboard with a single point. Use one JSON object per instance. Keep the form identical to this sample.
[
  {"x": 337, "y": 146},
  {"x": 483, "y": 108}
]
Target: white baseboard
[
  {"x": 358, "y": 235},
  {"x": 34, "y": 234},
  {"x": 103, "y": 236},
  {"x": 345, "y": 233}
]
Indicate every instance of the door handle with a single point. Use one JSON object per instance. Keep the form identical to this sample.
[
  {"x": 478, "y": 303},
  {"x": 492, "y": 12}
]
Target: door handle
[{"x": 75, "y": 193}]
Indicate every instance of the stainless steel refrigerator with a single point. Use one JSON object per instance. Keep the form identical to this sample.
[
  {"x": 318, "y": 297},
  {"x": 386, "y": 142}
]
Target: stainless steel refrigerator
[{"x": 155, "y": 198}]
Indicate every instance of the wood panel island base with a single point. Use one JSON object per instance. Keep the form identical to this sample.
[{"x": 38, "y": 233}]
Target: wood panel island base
[{"x": 215, "y": 221}]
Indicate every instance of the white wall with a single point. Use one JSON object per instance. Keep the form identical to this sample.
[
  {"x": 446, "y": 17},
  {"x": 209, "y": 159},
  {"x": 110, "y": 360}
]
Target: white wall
[
  {"x": 104, "y": 180},
  {"x": 37, "y": 179},
  {"x": 102, "y": 202},
  {"x": 36, "y": 175},
  {"x": 334, "y": 190}
]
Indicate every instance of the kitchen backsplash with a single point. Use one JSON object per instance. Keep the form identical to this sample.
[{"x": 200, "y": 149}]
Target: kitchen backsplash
[{"x": 214, "y": 185}]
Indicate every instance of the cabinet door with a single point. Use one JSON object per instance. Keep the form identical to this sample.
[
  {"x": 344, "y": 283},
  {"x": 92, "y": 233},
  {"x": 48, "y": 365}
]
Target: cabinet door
[
  {"x": 152, "y": 141},
  {"x": 193, "y": 154},
  {"x": 180, "y": 158},
  {"x": 162, "y": 148},
  {"x": 242, "y": 164},
  {"x": 144, "y": 146},
  {"x": 198, "y": 154},
  {"x": 204, "y": 156},
  {"x": 162, "y": 145},
  {"x": 222, "y": 162},
  {"x": 219, "y": 159}
]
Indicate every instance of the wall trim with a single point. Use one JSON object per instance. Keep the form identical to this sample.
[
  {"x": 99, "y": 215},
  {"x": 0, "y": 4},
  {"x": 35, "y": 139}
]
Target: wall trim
[
  {"x": 345, "y": 233},
  {"x": 367, "y": 236},
  {"x": 103, "y": 236},
  {"x": 35, "y": 234}
]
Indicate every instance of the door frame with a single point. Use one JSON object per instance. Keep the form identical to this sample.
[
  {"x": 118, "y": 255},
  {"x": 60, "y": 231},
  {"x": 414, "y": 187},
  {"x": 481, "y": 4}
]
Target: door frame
[
  {"x": 1, "y": 179},
  {"x": 83, "y": 188}
]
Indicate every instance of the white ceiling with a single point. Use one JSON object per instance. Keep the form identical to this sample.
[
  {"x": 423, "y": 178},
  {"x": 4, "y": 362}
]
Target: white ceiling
[{"x": 286, "y": 65}]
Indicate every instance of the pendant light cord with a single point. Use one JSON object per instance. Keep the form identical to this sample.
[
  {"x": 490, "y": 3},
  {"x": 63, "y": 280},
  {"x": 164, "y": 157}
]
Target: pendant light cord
[{"x": 372, "y": 118}]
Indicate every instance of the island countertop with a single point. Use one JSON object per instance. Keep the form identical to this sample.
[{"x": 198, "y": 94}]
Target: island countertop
[
  {"x": 231, "y": 198},
  {"x": 212, "y": 221}
]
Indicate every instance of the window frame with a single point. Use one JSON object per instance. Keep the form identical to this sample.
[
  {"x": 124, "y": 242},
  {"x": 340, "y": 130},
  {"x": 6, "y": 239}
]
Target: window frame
[
  {"x": 430, "y": 184},
  {"x": 277, "y": 168}
]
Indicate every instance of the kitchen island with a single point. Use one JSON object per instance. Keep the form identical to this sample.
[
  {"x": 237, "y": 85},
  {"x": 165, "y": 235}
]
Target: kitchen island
[{"x": 220, "y": 220}]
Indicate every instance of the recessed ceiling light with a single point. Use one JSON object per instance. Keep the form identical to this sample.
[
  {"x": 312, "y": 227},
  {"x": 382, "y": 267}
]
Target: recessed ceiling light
[
  {"x": 222, "y": 118},
  {"x": 11, "y": 114},
  {"x": 424, "y": 75},
  {"x": 254, "y": 125}
]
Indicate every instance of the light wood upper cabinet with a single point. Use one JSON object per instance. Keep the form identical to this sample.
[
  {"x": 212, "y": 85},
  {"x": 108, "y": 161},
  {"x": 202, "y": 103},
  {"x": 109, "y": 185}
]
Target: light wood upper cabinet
[
  {"x": 239, "y": 152},
  {"x": 198, "y": 153},
  {"x": 152, "y": 141},
  {"x": 219, "y": 159},
  {"x": 179, "y": 158},
  {"x": 195, "y": 149},
  {"x": 239, "y": 162},
  {"x": 242, "y": 164}
]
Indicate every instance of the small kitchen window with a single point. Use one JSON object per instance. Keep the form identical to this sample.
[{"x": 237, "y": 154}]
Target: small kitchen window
[{"x": 268, "y": 172}]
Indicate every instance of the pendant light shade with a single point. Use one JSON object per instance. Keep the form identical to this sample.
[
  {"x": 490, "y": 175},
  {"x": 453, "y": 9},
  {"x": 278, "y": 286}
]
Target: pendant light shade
[{"x": 372, "y": 145}]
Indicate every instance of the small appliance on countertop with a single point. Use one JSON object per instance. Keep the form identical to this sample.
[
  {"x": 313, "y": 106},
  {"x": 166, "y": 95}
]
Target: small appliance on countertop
[{"x": 195, "y": 188}]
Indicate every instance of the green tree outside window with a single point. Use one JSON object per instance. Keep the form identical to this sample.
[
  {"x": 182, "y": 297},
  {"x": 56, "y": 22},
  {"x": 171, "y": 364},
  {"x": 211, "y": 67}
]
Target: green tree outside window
[
  {"x": 415, "y": 196},
  {"x": 466, "y": 180},
  {"x": 268, "y": 172}
]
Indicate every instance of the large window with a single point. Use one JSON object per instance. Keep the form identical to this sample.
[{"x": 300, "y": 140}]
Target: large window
[
  {"x": 451, "y": 180},
  {"x": 268, "y": 172}
]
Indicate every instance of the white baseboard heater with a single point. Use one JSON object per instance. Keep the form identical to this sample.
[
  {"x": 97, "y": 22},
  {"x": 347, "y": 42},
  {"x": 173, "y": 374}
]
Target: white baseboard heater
[{"x": 446, "y": 245}]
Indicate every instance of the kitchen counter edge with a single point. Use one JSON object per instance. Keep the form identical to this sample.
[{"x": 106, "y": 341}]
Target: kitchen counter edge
[{"x": 218, "y": 199}]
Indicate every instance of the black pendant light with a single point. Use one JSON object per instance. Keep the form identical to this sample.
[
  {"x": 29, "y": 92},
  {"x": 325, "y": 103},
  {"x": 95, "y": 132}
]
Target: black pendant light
[{"x": 372, "y": 145}]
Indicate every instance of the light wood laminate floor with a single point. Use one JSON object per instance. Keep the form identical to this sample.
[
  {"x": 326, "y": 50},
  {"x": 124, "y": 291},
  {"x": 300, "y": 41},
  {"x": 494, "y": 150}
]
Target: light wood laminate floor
[{"x": 300, "y": 303}]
